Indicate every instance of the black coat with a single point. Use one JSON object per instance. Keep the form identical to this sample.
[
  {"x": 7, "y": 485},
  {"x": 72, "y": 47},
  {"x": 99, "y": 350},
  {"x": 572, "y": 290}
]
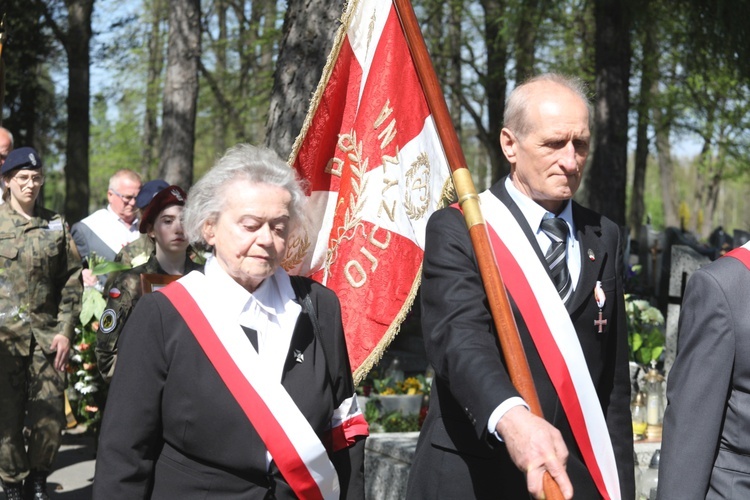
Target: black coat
[
  {"x": 456, "y": 457},
  {"x": 173, "y": 430}
]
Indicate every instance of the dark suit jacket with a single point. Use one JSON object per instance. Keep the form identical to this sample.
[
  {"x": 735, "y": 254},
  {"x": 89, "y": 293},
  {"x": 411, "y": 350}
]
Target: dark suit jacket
[
  {"x": 456, "y": 457},
  {"x": 705, "y": 451},
  {"x": 172, "y": 430},
  {"x": 87, "y": 242}
]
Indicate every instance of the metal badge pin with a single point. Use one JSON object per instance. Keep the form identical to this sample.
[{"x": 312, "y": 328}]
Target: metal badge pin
[{"x": 591, "y": 255}]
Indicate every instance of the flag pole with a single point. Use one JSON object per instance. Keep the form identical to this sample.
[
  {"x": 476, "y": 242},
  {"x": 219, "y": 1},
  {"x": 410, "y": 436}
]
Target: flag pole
[{"x": 505, "y": 323}]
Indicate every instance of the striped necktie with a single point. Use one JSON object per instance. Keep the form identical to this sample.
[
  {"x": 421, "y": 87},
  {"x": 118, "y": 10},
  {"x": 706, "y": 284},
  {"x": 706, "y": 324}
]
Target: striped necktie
[{"x": 557, "y": 230}]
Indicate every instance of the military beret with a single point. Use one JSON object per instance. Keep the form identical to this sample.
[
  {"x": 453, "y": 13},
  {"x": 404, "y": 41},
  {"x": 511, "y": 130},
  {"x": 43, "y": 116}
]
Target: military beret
[
  {"x": 148, "y": 191},
  {"x": 21, "y": 158},
  {"x": 171, "y": 195}
]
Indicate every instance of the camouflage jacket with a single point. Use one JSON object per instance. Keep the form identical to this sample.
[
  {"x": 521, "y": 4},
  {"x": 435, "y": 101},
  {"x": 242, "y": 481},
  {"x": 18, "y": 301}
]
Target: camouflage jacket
[
  {"x": 40, "y": 280},
  {"x": 142, "y": 246},
  {"x": 122, "y": 297}
]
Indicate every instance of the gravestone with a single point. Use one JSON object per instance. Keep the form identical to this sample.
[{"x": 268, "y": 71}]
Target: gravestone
[
  {"x": 650, "y": 245},
  {"x": 684, "y": 261},
  {"x": 740, "y": 237}
]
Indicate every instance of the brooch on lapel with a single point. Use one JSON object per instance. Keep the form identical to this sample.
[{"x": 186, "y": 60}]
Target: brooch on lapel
[
  {"x": 298, "y": 356},
  {"x": 601, "y": 298}
]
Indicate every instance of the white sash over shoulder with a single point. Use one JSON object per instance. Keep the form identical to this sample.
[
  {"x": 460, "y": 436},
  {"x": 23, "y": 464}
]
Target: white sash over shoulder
[
  {"x": 556, "y": 340},
  {"x": 294, "y": 445}
]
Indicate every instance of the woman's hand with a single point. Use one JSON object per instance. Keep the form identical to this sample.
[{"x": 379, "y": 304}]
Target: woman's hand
[{"x": 61, "y": 345}]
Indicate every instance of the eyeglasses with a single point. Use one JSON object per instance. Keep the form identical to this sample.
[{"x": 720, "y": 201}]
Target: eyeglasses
[
  {"x": 23, "y": 179},
  {"x": 125, "y": 199}
]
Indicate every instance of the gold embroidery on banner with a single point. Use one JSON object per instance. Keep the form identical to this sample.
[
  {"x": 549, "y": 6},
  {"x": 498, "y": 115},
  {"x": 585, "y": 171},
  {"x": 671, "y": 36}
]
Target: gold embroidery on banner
[
  {"x": 355, "y": 274},
  {"x": 417, "y": 192},
  {"x": 330, "y": 169},
  {"x": 295, "y": 251},
  {"x": 348, "y": 145}
]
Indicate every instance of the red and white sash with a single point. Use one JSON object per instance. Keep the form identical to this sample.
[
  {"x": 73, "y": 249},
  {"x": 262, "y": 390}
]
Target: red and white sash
[
  {"x": 742, "y": 254},
  {"x": 296, "y": 449},
  {"x": 556, "y": 340}
]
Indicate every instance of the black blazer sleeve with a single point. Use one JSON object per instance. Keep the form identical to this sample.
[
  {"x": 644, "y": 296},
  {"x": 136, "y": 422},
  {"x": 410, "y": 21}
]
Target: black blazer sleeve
[{"x": 456, "y": 322}]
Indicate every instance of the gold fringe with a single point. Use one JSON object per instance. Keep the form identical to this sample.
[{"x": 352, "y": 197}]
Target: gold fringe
[{"x": 346, "y": 16}]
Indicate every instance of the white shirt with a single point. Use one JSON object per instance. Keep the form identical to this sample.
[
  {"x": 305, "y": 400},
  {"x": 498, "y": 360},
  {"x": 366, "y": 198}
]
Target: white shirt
[{"x": 271, "y": 311}]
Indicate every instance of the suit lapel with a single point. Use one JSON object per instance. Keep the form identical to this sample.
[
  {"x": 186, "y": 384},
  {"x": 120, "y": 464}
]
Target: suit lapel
[
  {"x": 588, "y": 233},
  {"x": 498, "y": 189},
  {"x": 593, "y": 257}
]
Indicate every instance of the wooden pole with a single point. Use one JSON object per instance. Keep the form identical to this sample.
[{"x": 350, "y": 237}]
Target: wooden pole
[{"x": 502, "y": 315}]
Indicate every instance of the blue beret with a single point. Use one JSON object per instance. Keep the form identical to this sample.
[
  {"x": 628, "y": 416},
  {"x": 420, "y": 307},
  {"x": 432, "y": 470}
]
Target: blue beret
[
  {"x": 148, "y": 191},
  {"x": 21, "y": 158}
]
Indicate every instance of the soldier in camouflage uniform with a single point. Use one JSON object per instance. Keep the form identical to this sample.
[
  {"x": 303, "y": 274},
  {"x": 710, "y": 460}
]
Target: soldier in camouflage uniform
[
  {"x": 171, "y": 256},
  {"x": 40, "y": 300}
]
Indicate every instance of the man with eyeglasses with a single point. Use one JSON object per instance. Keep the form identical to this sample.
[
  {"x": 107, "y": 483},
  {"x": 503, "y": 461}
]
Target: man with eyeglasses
[
  {"x": 106, "y": 231},
  {"x": 6, "y": 146}
]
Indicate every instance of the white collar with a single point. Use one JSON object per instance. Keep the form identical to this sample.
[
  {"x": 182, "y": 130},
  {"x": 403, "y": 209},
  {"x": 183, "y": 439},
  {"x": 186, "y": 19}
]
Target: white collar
[
  {"x": 133, "y": 225},
  {"x": 535, "y": 213}
]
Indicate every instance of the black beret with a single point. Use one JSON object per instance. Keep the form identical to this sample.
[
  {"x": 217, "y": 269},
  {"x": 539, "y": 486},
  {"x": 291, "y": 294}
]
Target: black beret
[{"x": 21, "y": 158}]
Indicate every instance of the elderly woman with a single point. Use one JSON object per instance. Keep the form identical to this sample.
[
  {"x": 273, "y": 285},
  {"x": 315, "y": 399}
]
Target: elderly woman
[
  {"x": 40, "y": 300},
  {"x": 235, "y": 382},
  {"x": 161, "y": 220}
]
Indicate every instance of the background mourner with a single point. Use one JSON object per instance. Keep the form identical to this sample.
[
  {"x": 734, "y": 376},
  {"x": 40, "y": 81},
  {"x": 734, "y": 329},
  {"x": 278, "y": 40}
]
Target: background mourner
[
  {"x": 144, "y": 245},
  {"x": 161, "y": 222},
  {"x": 266, "y": 350},
  {"x": 107, "y": 230},
  {"x": 40, "y": 298}
]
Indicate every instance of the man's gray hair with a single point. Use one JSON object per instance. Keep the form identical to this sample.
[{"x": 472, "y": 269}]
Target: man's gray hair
[
  {"x": 123, "y": 173},
  {"x": 208, "y": 197},
  {"x": 515, "y": 114}
]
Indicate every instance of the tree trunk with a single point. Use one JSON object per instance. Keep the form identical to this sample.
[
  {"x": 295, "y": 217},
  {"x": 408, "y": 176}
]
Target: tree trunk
[
  {"x": 455, "y": 42},
  {"x": 649, "y": 68},
  {"x": 608, "y": 169},
  {"x": 155, "y": 64},
  {"x": 180, "y": 93},
  {"x": 77, "y": 142},
  {"x": 663, "y": 128},
  {"x": 495, "y": 83},
  {"x": 220, "y": 115},
  {"x": 309, "y": 29},
  {"x": 529, "y": 20}
]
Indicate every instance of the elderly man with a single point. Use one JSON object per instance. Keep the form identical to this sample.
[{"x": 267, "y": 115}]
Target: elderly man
[
  {"x": 563, "y": 267},
  {"x": 106, "y": 231}
]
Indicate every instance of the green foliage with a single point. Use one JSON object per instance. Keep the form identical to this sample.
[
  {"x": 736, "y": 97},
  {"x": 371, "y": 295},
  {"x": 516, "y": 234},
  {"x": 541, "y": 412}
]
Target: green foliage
[
  {"x": 391, "y": 421},
  {"x": 90, "y": 389},
  {"x": 645, "y": 337}
]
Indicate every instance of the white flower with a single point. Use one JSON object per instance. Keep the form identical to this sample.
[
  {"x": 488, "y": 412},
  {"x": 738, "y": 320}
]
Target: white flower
[{"x": 139, "y": 260}]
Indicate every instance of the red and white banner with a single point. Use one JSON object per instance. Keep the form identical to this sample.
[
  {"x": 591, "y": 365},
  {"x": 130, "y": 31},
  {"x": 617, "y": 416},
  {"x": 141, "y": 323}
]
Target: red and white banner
[{"x": 377, "y": 171}]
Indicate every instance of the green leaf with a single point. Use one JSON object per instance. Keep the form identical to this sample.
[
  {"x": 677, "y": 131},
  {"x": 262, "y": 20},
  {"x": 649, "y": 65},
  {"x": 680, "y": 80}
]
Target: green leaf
[
  {"x": 107, "y": 267},
  {"x": 636, "y": 341},
  {"x": 92, "y": 306}
]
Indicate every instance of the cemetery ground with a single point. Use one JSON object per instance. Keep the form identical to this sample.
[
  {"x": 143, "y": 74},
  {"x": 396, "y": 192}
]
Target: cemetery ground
[{"x": 73, "y": 471}]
